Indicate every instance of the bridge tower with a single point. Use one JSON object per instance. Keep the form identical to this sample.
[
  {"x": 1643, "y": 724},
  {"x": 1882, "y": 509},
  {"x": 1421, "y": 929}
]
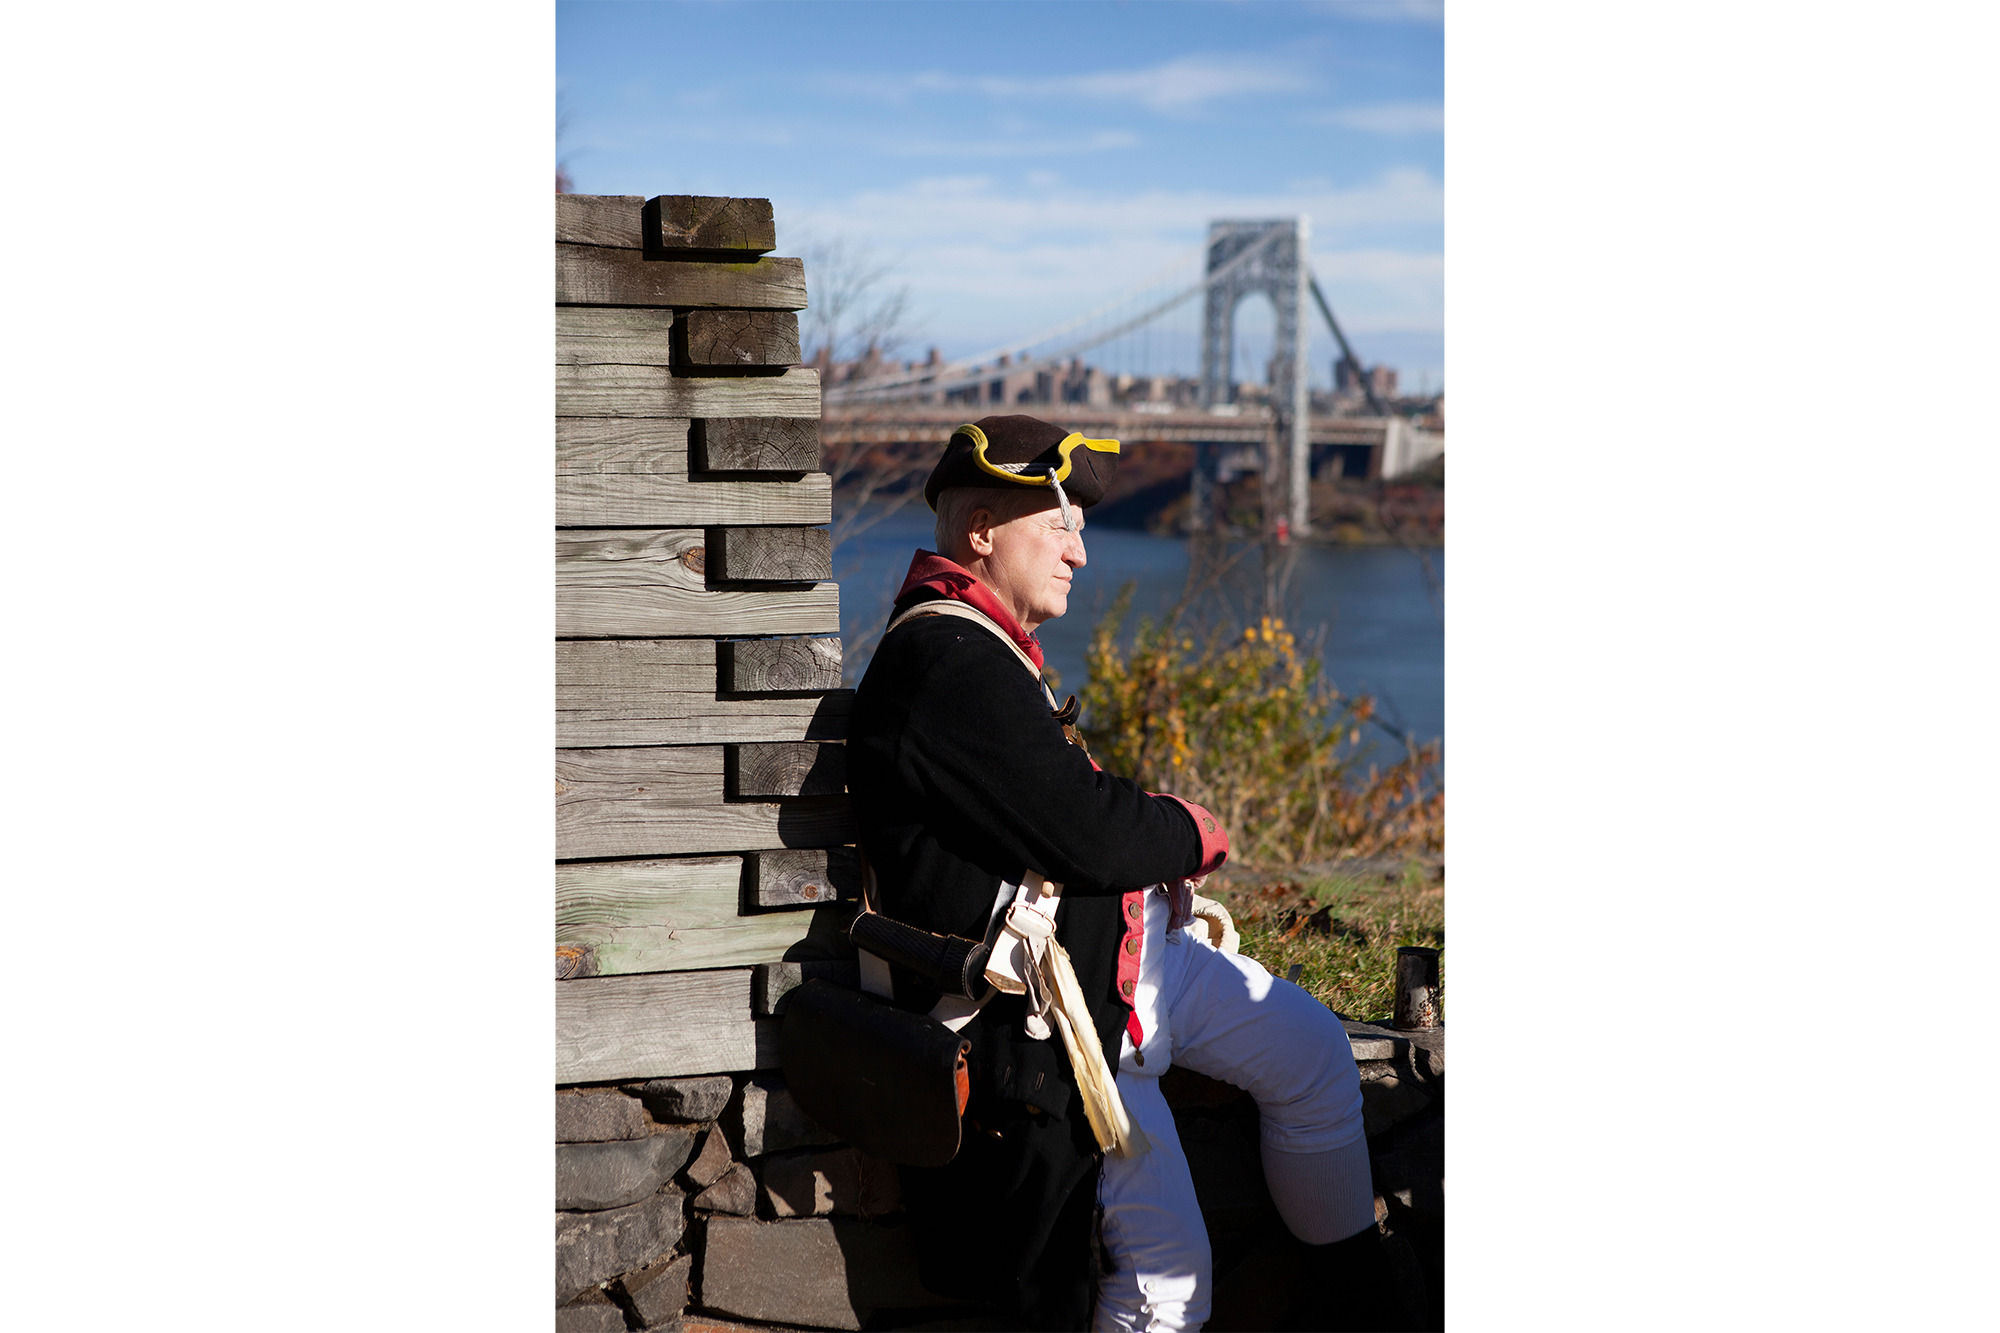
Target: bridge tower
[{"x": 1280, "y": 271}]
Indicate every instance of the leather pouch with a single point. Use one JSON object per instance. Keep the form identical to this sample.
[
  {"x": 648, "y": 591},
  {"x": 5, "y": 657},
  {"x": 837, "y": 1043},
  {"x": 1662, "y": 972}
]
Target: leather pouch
[{"x": 882, "y": 1079}]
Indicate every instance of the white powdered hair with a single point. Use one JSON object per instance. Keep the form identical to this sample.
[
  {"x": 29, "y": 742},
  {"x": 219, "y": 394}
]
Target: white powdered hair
[{"x": 956, "y": 504}]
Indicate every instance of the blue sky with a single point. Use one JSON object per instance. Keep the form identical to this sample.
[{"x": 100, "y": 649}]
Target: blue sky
[{"x": 1020, "y": 162}]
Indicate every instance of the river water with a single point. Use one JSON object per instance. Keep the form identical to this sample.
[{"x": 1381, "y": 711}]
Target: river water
[{"x": 1370, "y": 611}]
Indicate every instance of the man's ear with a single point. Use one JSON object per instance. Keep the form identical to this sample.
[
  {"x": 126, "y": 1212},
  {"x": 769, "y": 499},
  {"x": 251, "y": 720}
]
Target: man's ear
[{"x": 980, "y": 531}]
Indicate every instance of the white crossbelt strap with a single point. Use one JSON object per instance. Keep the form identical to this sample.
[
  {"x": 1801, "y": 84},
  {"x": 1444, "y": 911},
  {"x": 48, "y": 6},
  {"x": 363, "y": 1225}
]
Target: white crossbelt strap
[{"x": 1028, "y": 960}]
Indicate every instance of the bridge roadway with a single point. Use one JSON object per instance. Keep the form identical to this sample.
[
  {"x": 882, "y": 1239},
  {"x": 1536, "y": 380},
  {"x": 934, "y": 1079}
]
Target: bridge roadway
[{"x": 927, "y": 422}]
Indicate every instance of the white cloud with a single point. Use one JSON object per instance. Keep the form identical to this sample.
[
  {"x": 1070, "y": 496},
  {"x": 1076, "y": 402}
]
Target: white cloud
[
  {"x": 1099, "y": 142},
  {"x": 1387, "y": 118},
  {"x": 1427, "y": 12},
  {"x": 1187, "y": 83},
  {"x": 988, "y": 260}
]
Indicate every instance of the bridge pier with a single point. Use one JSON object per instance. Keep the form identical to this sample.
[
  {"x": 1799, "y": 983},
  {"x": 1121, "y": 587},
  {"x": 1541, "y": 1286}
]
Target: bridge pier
[{"x": 1273, "y": 255}]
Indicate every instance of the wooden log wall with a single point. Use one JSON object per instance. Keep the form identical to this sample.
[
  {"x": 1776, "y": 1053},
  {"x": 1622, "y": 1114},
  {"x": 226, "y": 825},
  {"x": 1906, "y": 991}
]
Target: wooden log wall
[{"x": 702, "y": 824}]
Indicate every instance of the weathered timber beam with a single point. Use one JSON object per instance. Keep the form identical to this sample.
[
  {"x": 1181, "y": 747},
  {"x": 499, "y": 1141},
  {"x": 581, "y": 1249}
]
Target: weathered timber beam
[
  {"x": 707, "y": 341},
  {"x": 653, "y": 584},
  {"x": 769, "y": 555},
  {"x": 643, "y": 776},
  {"x": 635, "y": 827},
  {"x": 601, "y": 219},
  {"x": 596, "y": 275},
  {"x": 669, "y": 800},
  {"x": 651, "y": 445},
  {"x": 621, "y": 917},
  {"x": 750, "y": 665},
  {"x": 648, "y": 391},
  {"x": 630, "y": 499},
  {"x": 755, "y": 444},
  {"x": 804, "y": 878},
  {"x": 634, "y": 471},
  {"x": 662, "y": 691},
  {"x": 610, "y": 336},
  {"x": 784, "y": 768},
  {"x": 710, "y": 223},
  {"x": 659, "y": 1025}
]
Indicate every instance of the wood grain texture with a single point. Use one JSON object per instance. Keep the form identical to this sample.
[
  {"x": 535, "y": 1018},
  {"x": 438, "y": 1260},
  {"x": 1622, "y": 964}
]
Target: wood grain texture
[
  {"x": 630, "y": 499},
  {"x": 608, "y": 336},
  {"x": 774, "y": 769},
  {"x": 753, "y": 665},
  {"x": 647, "y": 446},
  {"x": 666, "y": 916},
  {"x": 634, "y": 471},
  {"x": 649, "y": 391},
  {"x": 601, "y": 219},
  {"x": 598, "y": 822},
  {"x": 669, "y": 800},
  {"x": 770, "y": 555},
  {"x": 738, "y": 339},
  {"x": 662, "y": 691},
  {"x": 651, "y": 583},
  {"x": 595, "y": 275},
  {"x": 660, "y": 1025},
  {"x": 708, "y": 222},
  {"x": 755, "y": 444},
  {"x": 640, "y": 776},
  {"x": 804, "y": 878}
]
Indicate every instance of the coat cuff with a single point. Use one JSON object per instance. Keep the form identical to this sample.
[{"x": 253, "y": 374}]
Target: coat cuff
[{"x": 1214, "y": 837}]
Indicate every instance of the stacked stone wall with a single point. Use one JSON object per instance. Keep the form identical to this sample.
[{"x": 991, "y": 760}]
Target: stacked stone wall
[{"x": 714, "y": 1202}]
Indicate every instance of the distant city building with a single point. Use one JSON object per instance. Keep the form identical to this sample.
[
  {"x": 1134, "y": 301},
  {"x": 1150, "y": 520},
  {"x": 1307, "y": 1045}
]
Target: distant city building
[
  {"x": 1008, "y": 384},
  {"x": 1382, "y": 379}
]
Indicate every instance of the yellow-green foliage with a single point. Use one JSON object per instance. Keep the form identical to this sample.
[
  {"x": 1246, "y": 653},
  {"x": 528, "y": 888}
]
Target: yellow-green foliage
[{"x": 1249, "y": 728}]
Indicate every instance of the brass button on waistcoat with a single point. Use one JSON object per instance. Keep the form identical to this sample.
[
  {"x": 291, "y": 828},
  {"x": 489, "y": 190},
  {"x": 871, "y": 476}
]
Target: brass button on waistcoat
[
  {"x": 1132, "y": 945},
  {"x": 1133, "y": 910},
  {"x": 1125, "y": 989}
]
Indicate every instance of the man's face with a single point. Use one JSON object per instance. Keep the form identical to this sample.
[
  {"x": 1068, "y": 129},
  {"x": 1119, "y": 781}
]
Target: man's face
[{"x": 1029, "y": 562}]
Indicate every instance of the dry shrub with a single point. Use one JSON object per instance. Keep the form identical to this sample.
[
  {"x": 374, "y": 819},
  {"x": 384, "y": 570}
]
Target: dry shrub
[{"x": 1249, "y": 728}]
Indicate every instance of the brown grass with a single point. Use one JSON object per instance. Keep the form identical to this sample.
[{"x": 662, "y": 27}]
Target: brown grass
[{"x": 1342, "y": 929}]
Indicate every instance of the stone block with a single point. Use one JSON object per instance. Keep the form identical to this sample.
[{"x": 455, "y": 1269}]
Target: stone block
[
  {"x": 843, "y": 1181},
  {"x": 1427, "y": 1051},
  {"x": 658, "y": 1292},
  {"x": 710, "y": 1162},
  {"x": 1374, "y": 1042},
  {"x": 592, "y": 1312},
  {"x": 764, "y": 1118},
  {"x": 597, "y": 1115},
  {"x": 687, "y": 1098},
  {"x": 735, "y": 1193},
  {"x": 818, "y": 1272},
  {"x": 593, "y": 1247},
  {"x": 594, "y": 1176},
  {"x": 1389, "y": 1101}
]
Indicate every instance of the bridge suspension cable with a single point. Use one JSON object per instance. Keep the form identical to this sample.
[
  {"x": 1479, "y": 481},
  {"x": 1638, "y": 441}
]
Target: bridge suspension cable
[{"x": 969, "y": 371}]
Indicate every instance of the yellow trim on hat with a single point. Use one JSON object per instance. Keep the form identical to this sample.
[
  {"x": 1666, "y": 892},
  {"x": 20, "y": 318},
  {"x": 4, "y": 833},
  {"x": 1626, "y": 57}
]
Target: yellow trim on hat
[{"x": 1067, "y": 447}]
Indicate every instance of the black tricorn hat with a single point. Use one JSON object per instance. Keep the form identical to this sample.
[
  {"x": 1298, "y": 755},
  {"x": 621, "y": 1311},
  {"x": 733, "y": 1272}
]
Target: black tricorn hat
[{"x": 1003, "y": 452}]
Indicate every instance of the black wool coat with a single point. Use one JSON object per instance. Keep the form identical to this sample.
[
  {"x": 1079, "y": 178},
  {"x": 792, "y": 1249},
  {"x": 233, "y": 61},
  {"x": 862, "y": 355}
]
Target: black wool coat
[{"x": 961, "y": 781}]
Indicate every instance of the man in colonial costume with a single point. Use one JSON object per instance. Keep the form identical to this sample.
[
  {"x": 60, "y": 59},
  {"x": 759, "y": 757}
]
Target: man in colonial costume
[{"x": 1069, "y": 1199}]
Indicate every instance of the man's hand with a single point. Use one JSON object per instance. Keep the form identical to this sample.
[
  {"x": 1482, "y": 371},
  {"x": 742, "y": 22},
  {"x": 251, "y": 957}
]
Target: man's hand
[{"x": 1180, "y": 900}]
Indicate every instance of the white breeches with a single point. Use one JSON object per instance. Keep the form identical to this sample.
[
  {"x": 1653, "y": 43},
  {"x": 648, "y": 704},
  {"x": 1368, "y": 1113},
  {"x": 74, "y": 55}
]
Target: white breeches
[{"x": 1224, "y": 1016}]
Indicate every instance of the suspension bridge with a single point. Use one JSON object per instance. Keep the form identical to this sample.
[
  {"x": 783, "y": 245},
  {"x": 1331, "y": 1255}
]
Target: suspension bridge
[{"x": 1164, "y": 369}]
